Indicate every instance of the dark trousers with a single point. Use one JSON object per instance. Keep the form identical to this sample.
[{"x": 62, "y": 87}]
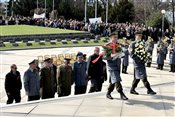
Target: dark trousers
[
  {"x": 16, "y": 95},
  {"x": 32, "y": 98},
  {"x": 124, "y": 69},
  {"x": 112, "y": 86},
  {"x": 97, "y": 86},
  {"x": 172, "y": 68},
  {"x": 80, "y": 89},
  {"x": 148, "y": 64},
  {"x": 160, "y": 66},
  {"x": 64, "y": 92},
  {"x": 145, "y": 82}
]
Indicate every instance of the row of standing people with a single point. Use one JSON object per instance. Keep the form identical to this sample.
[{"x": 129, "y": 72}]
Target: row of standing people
[
  {"x": 163, "y": 48},
  {"x": 44, "y": 82}
]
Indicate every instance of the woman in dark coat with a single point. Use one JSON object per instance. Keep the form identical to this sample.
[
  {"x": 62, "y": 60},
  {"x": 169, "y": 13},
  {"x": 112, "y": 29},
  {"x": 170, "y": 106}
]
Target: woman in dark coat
[{"x": 13, "y": 85}]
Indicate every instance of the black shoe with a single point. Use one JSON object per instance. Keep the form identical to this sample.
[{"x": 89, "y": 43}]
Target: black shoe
[
  {"x": 151, "y": 92},
  {"x": 109, "y": 96},
  {"x": 134, "y": 92},
  {"x": 123, "y": 97},
  {"x": 125, "y": 72}
]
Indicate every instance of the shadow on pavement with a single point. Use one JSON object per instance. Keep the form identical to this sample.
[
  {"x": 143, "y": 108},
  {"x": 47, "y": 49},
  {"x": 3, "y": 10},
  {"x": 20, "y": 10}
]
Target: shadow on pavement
[{"x": 150, "y": 104}]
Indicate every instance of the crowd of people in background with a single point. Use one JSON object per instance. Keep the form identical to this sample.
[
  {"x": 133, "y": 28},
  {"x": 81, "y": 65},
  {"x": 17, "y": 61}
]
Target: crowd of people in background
[{"x": 124, "y": 29}]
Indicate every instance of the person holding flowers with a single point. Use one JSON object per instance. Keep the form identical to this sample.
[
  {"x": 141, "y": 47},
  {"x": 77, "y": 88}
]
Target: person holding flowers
[
  {"x": 113, "y": 53},
  {"x": 139, "y": 55}
]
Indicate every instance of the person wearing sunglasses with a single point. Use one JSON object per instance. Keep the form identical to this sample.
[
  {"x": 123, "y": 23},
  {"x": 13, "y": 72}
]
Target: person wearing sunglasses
[{"x": 13, "y": 85}]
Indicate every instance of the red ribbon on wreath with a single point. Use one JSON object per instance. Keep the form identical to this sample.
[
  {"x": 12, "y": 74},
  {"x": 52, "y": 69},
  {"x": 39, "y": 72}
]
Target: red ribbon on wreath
[{"x": 113, "y": 47}]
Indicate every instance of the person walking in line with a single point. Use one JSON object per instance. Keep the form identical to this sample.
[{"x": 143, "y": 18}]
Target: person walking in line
[
  {"x": 137, "y": 48},
  {"x": 113, "y": 66}
]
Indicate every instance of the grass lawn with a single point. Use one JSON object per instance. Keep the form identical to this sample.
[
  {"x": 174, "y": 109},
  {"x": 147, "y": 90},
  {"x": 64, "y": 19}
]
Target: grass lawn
[
  {"x": 30, "y": 30},
  {"x": 8, "y": 46}
]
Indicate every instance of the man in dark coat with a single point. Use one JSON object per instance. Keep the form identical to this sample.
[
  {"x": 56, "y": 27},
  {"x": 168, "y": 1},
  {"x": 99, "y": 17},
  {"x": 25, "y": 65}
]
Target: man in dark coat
[
  {"x": 95, "y": 70},
  {"x": 54, "y": 68},
  {"x": 139, "y": 68},
  {"x": 13, "y": 85},
  {"x": 48, "y": 81},
  {"x": 114, "y": 70},
  {"x": 104, "y": 72},
  {"x": 80, "y": 75}
]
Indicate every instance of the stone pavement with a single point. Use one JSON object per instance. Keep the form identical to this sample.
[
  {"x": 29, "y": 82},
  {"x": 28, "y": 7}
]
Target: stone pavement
[{"x": 92, "y": 105}]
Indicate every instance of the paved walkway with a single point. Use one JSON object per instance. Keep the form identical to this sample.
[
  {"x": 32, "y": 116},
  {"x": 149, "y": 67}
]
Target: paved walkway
[{"x": 92, "y": 105}]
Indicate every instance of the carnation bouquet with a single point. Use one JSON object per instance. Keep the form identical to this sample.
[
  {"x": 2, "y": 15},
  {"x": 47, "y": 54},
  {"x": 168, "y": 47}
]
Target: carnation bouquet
[
  {"x": 140, "y": 53},
  {"x": 112, "y": 51}
]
